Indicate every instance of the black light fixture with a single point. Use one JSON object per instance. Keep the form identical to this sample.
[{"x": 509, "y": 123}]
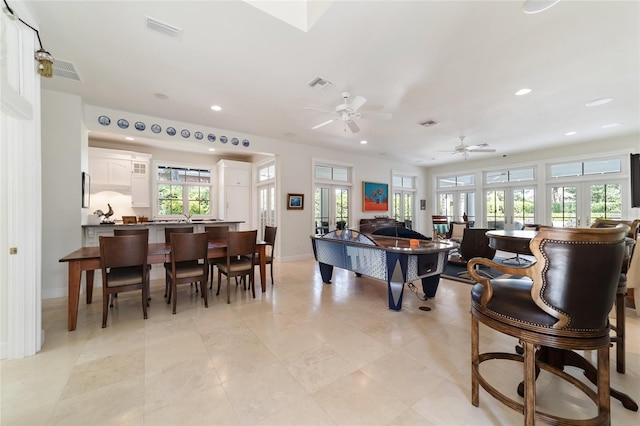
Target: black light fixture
[{"x": 44, "y": 58}]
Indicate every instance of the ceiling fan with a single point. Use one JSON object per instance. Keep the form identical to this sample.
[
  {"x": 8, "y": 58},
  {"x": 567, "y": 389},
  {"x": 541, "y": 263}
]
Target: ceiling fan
[
  {"x": 466, "y": 149},
  {"x": 348, "y": 112}
]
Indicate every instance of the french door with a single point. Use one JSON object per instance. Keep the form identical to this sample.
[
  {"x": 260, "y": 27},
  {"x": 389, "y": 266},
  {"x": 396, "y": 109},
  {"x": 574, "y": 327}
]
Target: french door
[
  {"x": 267, "y": 207},
  {"x": 510, "y": 208},
  {"x": 579, "y": 204},
  {"x": 456, "y": 204},
  {"x": 331, "y": 206}
]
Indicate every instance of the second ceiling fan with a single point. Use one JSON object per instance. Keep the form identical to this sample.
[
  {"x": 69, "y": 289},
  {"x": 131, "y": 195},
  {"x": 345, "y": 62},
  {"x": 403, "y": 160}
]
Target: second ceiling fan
[
  {"x": 466, "y": 149},
  {"x": 348, "y": 112}
]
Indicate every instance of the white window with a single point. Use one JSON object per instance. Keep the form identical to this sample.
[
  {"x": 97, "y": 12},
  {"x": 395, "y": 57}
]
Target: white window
[{"x": 183, "y": 191}]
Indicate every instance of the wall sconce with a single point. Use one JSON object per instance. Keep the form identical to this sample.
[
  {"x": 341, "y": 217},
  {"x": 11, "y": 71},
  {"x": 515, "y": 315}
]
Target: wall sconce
[{"x": 45, "y": 67}]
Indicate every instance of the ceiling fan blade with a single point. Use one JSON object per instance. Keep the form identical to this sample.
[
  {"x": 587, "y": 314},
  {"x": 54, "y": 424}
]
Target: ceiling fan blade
[
  {"x": 323, "y": 124},
  {"x": 320, "y": 110},
  {"x": 376, "y": 115},
  {"x": 353, "y": 126},
  {"x": 357, "y": 103},
  {"x": 481, "y": 150},
  {"x": 475, "y": 147}
]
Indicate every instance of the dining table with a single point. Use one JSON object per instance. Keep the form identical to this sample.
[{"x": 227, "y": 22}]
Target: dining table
[{"x": 88, "y": 259}]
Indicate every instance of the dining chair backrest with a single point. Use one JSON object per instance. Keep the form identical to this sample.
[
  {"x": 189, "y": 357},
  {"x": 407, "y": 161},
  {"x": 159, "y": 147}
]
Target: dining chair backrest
[
  {"x": 270, "y": 236},
  {"x": 123, "y": 251},
  {"x": 217, "y": 232},
  {"x": 187, "y": 246},
  {"x": 241, "y": 243},
  {"x": 176, "y": 230},
  {"x": 128, "y": 231}
]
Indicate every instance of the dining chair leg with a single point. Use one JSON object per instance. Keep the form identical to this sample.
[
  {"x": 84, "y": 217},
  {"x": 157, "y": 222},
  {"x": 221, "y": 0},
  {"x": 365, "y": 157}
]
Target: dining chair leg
[
  {"x": 271, "y": 270},
  {"x": 228, "y": 287},
  {"x": 252, "y": 283},
  {"x": 219, "y": 279},
  {"x": 145, "y": 300},
  {"x": 105, "y": 309},
  {"x": 203, "y": 290},
  {"x": 174, "y": 292}
]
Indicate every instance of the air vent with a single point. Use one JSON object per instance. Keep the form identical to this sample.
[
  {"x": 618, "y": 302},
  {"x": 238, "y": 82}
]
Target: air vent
[
  {"x": 65, "y": 69},
  {"x": 429, "y": 123},
  {"x": 164, "y": 28},
  {"x": 319, "y": 83}
]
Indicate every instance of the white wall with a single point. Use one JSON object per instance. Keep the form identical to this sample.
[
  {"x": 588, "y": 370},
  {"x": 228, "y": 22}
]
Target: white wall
[{"x": 64, "y": 151}]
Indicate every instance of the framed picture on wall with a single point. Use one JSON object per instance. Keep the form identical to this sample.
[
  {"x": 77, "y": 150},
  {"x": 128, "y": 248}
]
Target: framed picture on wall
[
  {"x": 86, "y": 189},
  {"x": 375, "y": 197},
  {"x": 295, "y": 201}
]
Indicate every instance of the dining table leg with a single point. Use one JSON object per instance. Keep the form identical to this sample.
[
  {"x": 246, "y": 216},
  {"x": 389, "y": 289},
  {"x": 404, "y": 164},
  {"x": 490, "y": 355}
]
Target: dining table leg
[
  {"x": 75, "y": 273},
  {"x": 89, "y": 275}
]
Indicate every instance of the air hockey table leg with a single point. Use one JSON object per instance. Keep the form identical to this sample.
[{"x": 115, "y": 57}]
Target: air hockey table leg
[
  {"x": 396, "y": 290},
  {"x": 326, "y": 271},
  {"x": 430, "y": 285}
]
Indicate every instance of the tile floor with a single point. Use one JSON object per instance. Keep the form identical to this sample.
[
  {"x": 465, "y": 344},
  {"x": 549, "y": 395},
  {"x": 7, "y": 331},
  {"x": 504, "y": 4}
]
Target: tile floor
[{"x": 303, "y": 353}]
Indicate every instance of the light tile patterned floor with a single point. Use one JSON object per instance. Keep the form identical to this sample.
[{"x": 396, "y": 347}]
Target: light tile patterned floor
[{"x": 303, "y": 353}]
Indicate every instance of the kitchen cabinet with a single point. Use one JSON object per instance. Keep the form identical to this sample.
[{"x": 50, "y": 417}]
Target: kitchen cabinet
[
  {"x": 140, "y": 181},
  {"x": 121, "y": 171},
  {"x": 234, "y": 189}
]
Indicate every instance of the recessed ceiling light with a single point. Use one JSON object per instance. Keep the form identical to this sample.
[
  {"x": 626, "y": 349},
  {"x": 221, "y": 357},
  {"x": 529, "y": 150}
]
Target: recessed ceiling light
[
  {"x": 216, "y": 107},
  {"x": 363, "y": 142},
  {"x": 161, "y": 96},
  {"x": 129, "y": 138},
  {"x": 570, "y": 133},
  {"x": 536, "y": 6},
  {"x": 212, "y": 149},
  {"x": 607, "y": 126},
  {"x": 600, "y": 101},
  {"x": 523, "y": 92}
]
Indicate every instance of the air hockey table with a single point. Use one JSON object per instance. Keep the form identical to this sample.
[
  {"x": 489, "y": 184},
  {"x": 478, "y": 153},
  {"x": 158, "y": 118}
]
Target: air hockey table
[{"x": 398, "y": 261}]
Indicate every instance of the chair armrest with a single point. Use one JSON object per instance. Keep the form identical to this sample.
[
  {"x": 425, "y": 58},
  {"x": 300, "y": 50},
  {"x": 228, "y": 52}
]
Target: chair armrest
[{"x": 486, "y": 282}]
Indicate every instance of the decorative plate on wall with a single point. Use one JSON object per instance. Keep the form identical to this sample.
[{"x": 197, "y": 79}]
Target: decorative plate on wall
[
  {"x": 223, "y": 139},
  {"x": 211, "y": 137},
  {"x": 123, "y": 124},
  {"x": 185, "y": 133},
  {"x": 198, "y": 135},
  {"x": 171, "y": 131},
  {"x": 245, "y": 143},
  {"x": 235, "y": 141},
  {"x": 155, "y": 128},
  {"x": 104, "y": 120},
  {"x": 140, "y": 125}
]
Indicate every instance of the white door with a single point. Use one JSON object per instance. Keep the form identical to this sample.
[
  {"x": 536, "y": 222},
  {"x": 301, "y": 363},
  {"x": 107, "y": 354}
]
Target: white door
[
  {"x": 579, "y": 204},
  {"x": 331, "y": 207}
]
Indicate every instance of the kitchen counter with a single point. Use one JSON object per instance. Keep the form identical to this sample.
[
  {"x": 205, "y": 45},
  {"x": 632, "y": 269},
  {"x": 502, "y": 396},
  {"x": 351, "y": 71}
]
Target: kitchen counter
[
  {"x": 92, "y": 233},
  {"x": 231, "y": 223}
]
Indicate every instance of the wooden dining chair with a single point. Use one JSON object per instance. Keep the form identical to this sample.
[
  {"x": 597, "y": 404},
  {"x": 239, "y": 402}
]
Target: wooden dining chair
[
  {"x": 241, "y": 255},
  {"x": 270, "y": 239},
  {"x": 123, "y": 260},
  {"x": 133, "y": 231},
  {"x": 189, "y": 263},
  {"x": 167, "y": 239},
  {"x": 215, "y": 233},
  {"x": 559, "y": 307}
]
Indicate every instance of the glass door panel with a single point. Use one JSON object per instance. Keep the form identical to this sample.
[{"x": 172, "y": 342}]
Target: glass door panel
[
  {"x": 495, "y": 209},
  {"x": 564, "y": 206},
  {"x": 524, "y": 212},
  {"x": 606, "y": 201},
  {"x": 331, "y": 208}
]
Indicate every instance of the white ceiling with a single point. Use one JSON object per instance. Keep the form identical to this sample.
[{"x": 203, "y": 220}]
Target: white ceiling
[{"x": 457, "y": 62}]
